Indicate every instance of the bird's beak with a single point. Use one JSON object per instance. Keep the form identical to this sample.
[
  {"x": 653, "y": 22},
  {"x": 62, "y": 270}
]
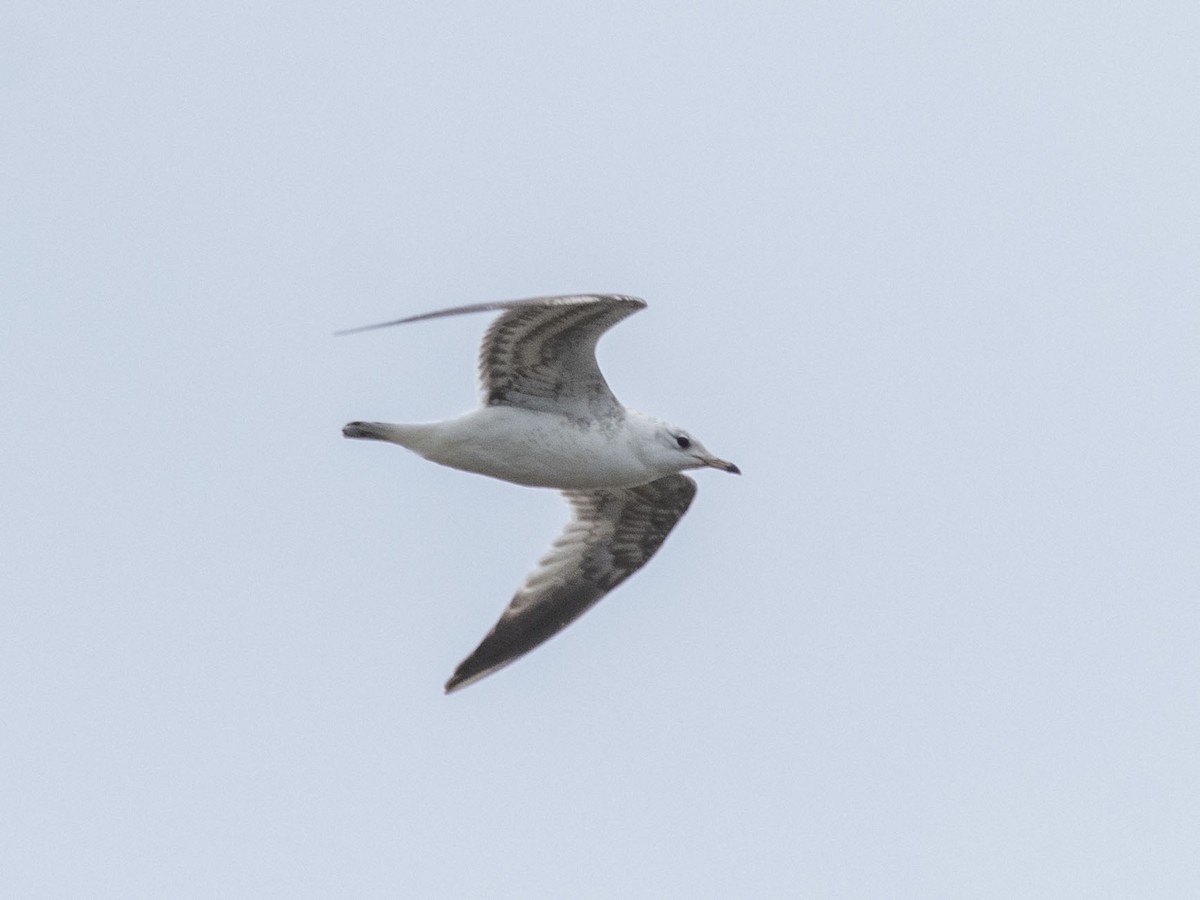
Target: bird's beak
[{"x": 723, "y": 464}]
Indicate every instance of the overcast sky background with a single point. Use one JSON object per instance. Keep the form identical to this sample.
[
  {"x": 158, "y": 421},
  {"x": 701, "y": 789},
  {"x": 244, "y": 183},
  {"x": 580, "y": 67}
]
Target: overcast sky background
[{"x": 928, "y": 273}]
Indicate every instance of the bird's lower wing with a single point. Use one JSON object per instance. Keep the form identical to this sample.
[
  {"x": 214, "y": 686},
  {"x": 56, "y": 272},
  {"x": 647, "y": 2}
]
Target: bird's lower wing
[{"x": 612, "y": 534}]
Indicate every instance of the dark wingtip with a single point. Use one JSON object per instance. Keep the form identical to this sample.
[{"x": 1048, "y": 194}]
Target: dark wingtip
[
  {"x": 733, "y": 470},
  {"x": 460, "y": 680},
  {"x": 361, "y": 328}
]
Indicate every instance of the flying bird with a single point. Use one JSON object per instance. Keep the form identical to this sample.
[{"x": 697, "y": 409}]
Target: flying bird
[{"x": 548, "y": 419}]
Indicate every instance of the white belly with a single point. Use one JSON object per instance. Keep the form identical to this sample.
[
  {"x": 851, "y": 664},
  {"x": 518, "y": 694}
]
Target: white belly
[{"x": 540, "y": 450}]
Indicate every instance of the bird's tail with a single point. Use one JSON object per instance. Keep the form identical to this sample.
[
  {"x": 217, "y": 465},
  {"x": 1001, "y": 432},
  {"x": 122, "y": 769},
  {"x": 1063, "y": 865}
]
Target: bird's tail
[{"x": 417, "y": 438}]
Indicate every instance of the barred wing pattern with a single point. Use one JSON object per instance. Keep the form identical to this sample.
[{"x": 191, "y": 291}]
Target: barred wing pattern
[
  {"x": 612, "y": 534},
  {"x": 541, "y": 353}
]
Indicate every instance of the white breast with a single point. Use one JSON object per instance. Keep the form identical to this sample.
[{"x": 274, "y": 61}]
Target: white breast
[{"x": 541, "y": 450}]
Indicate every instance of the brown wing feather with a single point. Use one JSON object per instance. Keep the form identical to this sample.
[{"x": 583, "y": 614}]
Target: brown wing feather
[
  {"x": 543, "y": 355},
  {"x": 541, "y": 352},
  {"x": 613, "y": 533}
]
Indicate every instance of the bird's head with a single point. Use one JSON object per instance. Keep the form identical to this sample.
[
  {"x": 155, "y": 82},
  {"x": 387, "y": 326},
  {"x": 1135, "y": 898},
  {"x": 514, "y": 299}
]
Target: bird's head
[{"x": 677, "y": 449}]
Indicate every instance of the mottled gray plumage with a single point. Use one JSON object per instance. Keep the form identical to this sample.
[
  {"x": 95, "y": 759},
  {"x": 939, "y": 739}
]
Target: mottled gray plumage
[
  {"x": 541, "y": 353},
  {"x": 613, "y": 533},
  {"x": 549, "y": 419}
]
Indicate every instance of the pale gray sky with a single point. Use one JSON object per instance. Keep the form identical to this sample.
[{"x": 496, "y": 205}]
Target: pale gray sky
[{"x": 927, "y": 272}]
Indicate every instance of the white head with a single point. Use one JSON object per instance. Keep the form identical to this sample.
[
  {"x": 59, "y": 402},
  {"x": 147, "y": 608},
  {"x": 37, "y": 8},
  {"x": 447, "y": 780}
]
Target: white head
[{"x": 673, "y": 449}]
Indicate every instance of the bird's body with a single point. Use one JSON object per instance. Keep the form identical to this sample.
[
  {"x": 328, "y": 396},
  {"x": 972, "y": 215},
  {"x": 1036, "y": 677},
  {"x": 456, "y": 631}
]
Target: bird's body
[
  {"x": 550, "y": 420},
  {"x": 533, "y": 448}
]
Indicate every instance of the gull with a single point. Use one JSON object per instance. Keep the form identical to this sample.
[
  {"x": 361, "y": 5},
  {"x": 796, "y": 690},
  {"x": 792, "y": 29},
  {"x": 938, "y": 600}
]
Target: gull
[{"x": 549, "y": 420}]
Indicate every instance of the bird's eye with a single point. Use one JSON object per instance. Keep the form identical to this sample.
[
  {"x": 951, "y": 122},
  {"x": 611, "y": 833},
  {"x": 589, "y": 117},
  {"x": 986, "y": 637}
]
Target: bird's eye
[{"x": 682, "y": 441}]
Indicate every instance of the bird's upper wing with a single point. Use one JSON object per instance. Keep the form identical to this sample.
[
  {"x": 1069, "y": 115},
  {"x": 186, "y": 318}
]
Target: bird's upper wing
[
  {"x": 541, "y": 353},
  {"x": 612, "y": 534}
]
